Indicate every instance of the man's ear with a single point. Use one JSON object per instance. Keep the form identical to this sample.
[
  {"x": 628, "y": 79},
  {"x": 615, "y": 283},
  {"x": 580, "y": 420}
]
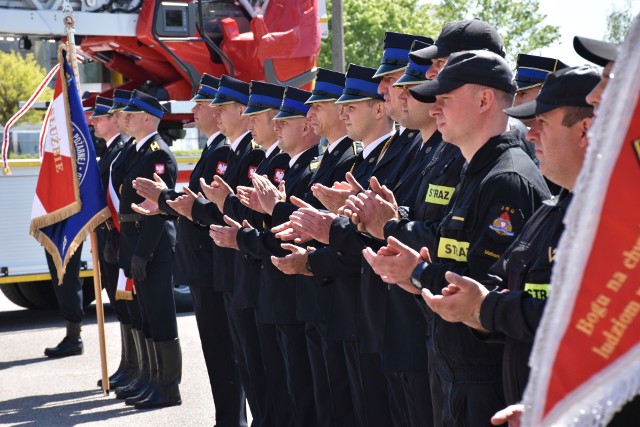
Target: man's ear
[{"x": 585, "y": 124}]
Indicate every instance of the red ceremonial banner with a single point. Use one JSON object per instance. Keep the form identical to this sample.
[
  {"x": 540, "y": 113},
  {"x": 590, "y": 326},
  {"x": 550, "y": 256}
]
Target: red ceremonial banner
[{"x": 586, "y": 360}]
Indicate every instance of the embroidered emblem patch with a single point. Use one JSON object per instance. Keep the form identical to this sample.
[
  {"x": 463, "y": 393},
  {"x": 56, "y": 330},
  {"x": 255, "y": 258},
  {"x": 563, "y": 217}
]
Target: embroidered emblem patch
[
  {"x": 160, "y": 168},
  {"x": 221, "y": 168},
  {"x": 278, "y": 176},
  {"x": 252, "y": 170},
  {"x": 502, "y": 225}
]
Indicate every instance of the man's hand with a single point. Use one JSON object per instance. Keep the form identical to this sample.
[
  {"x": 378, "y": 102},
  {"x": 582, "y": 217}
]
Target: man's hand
[
  {"x": 267, "y": 193},
  {"x": 295, "y": 262},
  {"x": 147, "y": 207},
  {"x": 511, "y": 414},
  {"x": 335, "y": 197},
  {"x": 138, "y": 268},
  {"x": 225, "y": 237},
  {"x": 395, "y": 262},
  {"x": 460, "y": 300},
  {"x": 217, "y": 192},
  {"x": 184, "y": 204},
  {"x": 309, "y": 223},
  {"x": 149, "y": 189},
  {"x": 249, "y": 197},
  {"x": 371, "y": 209}
]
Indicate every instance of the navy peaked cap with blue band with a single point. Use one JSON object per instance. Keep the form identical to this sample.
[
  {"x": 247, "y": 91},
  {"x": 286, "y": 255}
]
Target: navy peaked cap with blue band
[
  {"x": 207, "y": 89},
  {"x": 103, "y": 105},
  {"x": 262, "y": 97},
  {"x": 328, "y": 86},
  {"x": 360, "y": 85},
  {"x": 396, "y": 51},
  {"x": 531, "y": 70},
  {"x": 231, "y": 90},
  {"x": 415, "y": 73},
  {"x": 293, "y": 104},
  {"x": 140, "y": 102},
  {"x": 120, "y": 99}
]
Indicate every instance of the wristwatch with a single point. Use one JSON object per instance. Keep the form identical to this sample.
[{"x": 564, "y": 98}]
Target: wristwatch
[
  {"x": 417, "y": 273},
  {"x": 308, "y": 267}
]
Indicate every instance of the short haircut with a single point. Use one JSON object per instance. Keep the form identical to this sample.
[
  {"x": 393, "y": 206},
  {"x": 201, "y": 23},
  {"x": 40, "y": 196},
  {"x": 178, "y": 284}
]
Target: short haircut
[
  {"x": 573, "y": 115},
  {"x": 503, "y": 99}
]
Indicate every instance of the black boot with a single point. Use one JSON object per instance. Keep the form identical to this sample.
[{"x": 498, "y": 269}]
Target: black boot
[
  {"x": 142, "y": 381},
  {"x": 118, "y": 373},
  {"x": 167, "y": 392},
  {"x": 131, "y": 368},
  {"x": 71, "y": 345},
  {"x": 153, "y": 374}
]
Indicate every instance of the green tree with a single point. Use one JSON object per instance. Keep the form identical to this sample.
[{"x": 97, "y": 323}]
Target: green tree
[
  {"x": 19, "y": 78},
  {"x": 518, "y": 21},
  {"x": 618, "y": 23}
]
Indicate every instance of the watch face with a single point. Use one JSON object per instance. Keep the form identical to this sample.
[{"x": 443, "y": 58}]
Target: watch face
[{"x": 416, "y": 283}]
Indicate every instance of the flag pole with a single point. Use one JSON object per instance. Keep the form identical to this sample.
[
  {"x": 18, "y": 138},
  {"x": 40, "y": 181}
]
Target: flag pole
[{"x": 69, "y": 22}]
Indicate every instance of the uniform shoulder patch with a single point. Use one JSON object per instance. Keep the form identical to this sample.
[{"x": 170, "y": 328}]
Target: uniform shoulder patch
[
  {"x": 154, "y": 146},
  {"x": 221, "y": 168},
  {"x": 160, "y": 168},
  {"x": 502, "y": 225},
  {"x": 278, "y": 176},
  {"x": 357, "y": 147}
]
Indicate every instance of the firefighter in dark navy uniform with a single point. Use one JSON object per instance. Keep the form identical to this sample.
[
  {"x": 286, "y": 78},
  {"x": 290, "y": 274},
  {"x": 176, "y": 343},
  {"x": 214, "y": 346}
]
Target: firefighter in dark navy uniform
[
  {"x": 147, "y": 247},
  {"x": 105, "y": 127},
  {"x": 194, "y": 261}
]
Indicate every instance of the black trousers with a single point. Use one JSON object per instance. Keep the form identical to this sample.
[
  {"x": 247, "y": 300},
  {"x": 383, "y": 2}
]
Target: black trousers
[
  {"x": 369, "y": 391},
  {"x": 330, "y": 378},
  {"x": 155, "y": 299},
  {"x": 110, "y": 283},
  {"x": 219, "y": 356},
  {"x": 244, "y": 335},
  {"x": 409, "y": 397},
  {"x": 273, "y": 360},
  {"x": 293, "y": 344},
  {"x": 69, "y": 294}
]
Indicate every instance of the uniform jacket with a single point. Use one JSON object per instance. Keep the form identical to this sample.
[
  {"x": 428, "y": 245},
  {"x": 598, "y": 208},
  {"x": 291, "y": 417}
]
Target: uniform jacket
[
  {"x": 194, "y": 250},
  {"x": 525, "y": 269},
  {"x": 152, "y": 237}
]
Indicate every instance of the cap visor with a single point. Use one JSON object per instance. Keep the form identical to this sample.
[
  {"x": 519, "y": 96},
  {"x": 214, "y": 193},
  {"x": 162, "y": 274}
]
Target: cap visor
[
  {"x": 407, "y": 80},
  {"x": 251, "y": 110},
  {"x": 352, "y": 98},
  {"x": 385, "y": 69},
  {"x": 425, "y": 55},
  {"x": 526, "y": 85},
  {"x": 283, "y": 115},
  {"x": 319, "y": 98},
  {"x": 427, "y": 91},
  {"x": 199, "y": 97},
  {"x": 132, "y": 109},
  {"x": 222, "y": 101},
  {"x": 597, "y": 51},
  {"x": 529, "y": 110}
]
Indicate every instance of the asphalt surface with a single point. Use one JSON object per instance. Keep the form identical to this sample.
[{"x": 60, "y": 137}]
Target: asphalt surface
[{"x": 36, "y": 390}]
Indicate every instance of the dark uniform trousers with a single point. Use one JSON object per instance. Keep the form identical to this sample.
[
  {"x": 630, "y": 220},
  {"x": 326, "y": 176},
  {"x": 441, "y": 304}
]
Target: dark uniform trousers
[
  {"x": 194, "y": 266},
  {"x": 152, "y": 239},
  {"x": 69, "y": 293},
  {"x": 277, "y": 300},
  {"x": 104, "y": 233},
  {"x": 313, "y": 300},
  {"x": 241, "y": 318},
  {"x": 498, "y": 193},
  {"x": 247, "y": 271}
]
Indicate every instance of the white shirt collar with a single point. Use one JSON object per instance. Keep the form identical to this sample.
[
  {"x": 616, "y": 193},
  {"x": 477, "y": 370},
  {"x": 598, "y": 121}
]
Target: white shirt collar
[
  {"x": 234, "y": 144},
  {"x": 369, "y": 148},
  {"x": 110, "y": 141},
  {"x": 143, "y": 140},
  {"x": 293, "y": 160},
  {"x": 271, "y": 149},
  {"x": 212, "y": 137},
  {"x": 334, "y": 144}
]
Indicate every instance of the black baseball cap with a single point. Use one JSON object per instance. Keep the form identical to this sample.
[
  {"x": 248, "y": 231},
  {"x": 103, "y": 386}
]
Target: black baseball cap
[
  {"x": 568, "y": 87},
  {"x": 479, "y": 67},
  {"x": 596, "y": 51},
  {"x": 468, "y": 34}
]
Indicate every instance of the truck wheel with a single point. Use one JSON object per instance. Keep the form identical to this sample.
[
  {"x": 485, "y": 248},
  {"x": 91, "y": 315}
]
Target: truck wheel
[
  {"x": 39, "y": 294},
  {"x": 182, "y": 298},
  {"x": 13, "y": 294}
]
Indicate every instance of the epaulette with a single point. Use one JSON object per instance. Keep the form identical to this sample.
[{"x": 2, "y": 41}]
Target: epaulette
[
  {"x": 315, "y": 163},
  {"x": 154, "y": 146},
  {"x": 357, "y": 147},
  {"x": 254, "y": 144}
]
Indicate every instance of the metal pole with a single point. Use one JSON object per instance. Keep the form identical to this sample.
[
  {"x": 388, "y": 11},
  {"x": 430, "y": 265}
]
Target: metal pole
[{"x": 337, "y": 30}]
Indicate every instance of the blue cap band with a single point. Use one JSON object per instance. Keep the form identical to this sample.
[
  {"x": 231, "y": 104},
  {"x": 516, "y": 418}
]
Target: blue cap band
[
  {"x": 265, "y": 101},
  {"x": 208, "y": 90},
  {"x": 328, "y": 88},
  {"x": 123, "y": 101},
  {"x": 146, "y": 107},
  {"x": 233, "y": 95},
  {"x": 295, "y": 107},
  {"x": 397, "y": 54},
  {"x": 362, "y": 85},
  {"x": 530, "y": 73}
]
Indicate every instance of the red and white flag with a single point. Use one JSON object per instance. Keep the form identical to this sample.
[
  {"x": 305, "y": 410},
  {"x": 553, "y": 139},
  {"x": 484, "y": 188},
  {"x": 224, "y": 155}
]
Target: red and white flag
[{"x": 585, "y": 363}]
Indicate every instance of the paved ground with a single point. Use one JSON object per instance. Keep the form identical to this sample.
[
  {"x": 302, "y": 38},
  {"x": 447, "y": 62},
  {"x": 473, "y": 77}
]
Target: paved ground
[{"x": 35, "y": 390}]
